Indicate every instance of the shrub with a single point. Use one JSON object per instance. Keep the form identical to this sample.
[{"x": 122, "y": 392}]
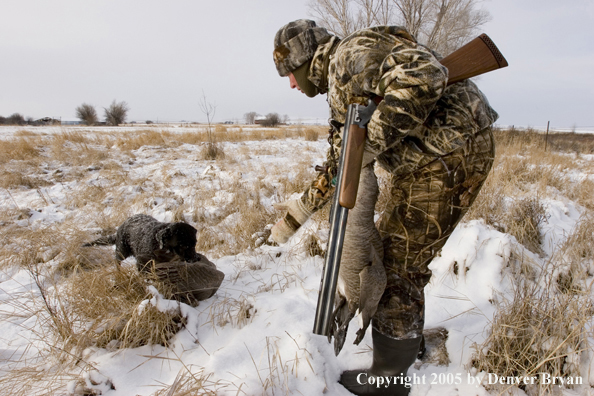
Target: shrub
[
  {"x": 271, "y": 120},
  {"x": 16, "y": 119},
  {"x": 116, "y": 113},
  {"x": 87, "y": 114},
  {"x": 311, "y": 135}
]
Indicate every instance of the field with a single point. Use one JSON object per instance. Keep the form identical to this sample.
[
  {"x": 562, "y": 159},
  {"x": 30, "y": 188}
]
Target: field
[{"x": 511, "y": 293}]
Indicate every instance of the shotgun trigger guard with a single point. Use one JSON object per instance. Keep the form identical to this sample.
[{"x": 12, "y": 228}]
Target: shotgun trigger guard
[{"x": 363, "y": 113}]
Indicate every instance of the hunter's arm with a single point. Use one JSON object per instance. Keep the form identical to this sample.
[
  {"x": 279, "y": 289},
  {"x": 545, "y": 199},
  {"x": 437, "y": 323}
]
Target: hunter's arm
[
  {"x": 409, "y": 78},
  {"x": 317, "y": 194},
  {"x": 412, "y": 81}
]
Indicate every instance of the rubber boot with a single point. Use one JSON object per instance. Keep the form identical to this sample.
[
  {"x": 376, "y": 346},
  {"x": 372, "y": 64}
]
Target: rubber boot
[{"x": 391, "y": 360}]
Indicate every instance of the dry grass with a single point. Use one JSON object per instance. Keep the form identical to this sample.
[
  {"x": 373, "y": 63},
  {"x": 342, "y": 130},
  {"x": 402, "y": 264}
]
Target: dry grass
[
  {"x": 77, "y": 154},
  {"x": 25, "y": 133},
  {"x": 575, "y": 259},
  {"x": 37, "y": 379},
  {"x": 230, "y": 230},
  {"x": 108, "y": 301},
  {"x": 236, "y": 312},
  {"x": 189, "y": 383},
  {"x": 527, "y": 338},
  {"x": 522, "y": 173},
  {"x": 211, "y": 151},
  {"x": 20, "y": 149},
  {"x": 311, "y": 135},
  {"x": 581, "y": 192},
  {"x": 17, "y": 179},
  {"x": 277, "y": 369},
  {"x": 147, "y": 137},
  {"x": 555, "y": 142},
  {"x": 100, "y": 308},
  {"x": 523, "y": 220}
]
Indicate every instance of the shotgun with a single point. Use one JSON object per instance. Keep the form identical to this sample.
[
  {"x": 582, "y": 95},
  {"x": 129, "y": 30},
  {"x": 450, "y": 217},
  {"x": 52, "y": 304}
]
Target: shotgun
[{"x": 477, "y": 57}]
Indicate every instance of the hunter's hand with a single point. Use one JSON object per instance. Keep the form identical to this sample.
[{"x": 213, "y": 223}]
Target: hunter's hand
[
  {"x": 286, "y": 227},
  {"x": 263, "y": 237}
]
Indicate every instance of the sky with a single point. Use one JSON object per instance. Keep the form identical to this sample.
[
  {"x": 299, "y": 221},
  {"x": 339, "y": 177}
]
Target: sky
[{"x": 166, "y": 58}]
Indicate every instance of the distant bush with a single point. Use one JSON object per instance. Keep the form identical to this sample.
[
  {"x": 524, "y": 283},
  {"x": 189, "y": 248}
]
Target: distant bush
[
  {"x": 271, "y": 120},
  {"x": 87, "y": 114},
  {"x": 116, "y": 113},
  {"x": 15, "y": 119},
  {"x": 311, "y": 135}
]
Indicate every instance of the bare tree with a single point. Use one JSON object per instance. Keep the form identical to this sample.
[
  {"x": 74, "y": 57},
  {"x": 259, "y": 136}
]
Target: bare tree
[
  {"x": 250, "y": 118},
  {"x": 443, "y": 25},
  {"x": 116, "y": 113},
  {"x": 212, "y": 149},
  {"x": 453, "y": 23},
  {"x": 87, "y": 114},
  {"x": 335, "y": 15},
  {"x": 16, "y": 119}
]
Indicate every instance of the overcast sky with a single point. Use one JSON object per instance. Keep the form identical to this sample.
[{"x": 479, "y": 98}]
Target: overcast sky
[{"x": 162, "y": 56}]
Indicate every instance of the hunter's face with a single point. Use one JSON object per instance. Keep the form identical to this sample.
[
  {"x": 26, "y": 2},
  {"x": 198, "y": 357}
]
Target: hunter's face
[{"x": 293, "y": 82}]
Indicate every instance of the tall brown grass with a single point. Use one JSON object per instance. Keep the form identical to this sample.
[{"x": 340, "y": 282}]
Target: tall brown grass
[
  {"x": 527, "y": 336},
  {"x": 19, "y": 149},
  {"x": 523, "y": 172}
]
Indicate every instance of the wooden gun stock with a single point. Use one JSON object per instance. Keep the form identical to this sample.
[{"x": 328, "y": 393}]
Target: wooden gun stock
[
  {"x": 352, "y": 166},
  {"x": 479, "y": 56}
]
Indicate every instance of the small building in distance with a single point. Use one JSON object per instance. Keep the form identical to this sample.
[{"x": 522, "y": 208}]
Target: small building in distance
[
  {"x": 71, "y": 121},
  {"x": 47, "y": 121}
]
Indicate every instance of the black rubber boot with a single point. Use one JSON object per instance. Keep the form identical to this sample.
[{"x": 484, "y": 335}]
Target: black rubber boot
[{"x": 391, "y": 360}]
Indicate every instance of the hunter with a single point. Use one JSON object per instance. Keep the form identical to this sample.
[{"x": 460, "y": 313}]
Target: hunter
[{"x": 436, "y": 143}]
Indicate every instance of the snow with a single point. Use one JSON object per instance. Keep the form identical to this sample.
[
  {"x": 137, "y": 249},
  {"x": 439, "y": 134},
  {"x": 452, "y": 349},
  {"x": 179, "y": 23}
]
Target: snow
[{"x": 254, "y": 336}]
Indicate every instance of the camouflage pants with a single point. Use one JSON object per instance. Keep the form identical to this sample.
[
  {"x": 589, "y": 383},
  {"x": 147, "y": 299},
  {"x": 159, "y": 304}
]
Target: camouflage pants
[{"x": 425, "y": 207}]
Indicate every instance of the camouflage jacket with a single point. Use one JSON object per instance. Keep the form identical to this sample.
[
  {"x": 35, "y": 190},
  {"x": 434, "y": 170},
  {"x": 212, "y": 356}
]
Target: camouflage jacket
[{"x": 419, "y": 118}]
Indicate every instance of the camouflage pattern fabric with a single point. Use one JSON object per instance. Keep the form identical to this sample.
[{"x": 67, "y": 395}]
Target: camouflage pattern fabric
[
  {"x": 434, "y": 140},
  {"x": 418, "y": 112},
  {"x": 426, "y": 206}
]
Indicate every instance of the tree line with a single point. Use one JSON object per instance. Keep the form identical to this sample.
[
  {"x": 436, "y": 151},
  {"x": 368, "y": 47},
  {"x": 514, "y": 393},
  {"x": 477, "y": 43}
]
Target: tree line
[
  {"x": 115, "y": 114},
  {"x": 16, "y": 119}
]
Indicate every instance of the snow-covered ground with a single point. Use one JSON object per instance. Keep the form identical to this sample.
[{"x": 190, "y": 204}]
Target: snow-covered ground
[{"x": 270, "y": 349}]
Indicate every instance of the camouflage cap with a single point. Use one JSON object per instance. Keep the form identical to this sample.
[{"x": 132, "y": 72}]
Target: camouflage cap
[{"x": 296, "y": 43}]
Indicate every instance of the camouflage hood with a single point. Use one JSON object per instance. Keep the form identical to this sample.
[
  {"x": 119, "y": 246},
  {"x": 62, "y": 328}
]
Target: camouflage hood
[
  {"x": 296, "y": 43},
  {"x": 318, "y": 69}
]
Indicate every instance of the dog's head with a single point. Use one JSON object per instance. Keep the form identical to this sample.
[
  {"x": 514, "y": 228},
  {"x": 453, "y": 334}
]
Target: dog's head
[{"x": 179, "y": 238}]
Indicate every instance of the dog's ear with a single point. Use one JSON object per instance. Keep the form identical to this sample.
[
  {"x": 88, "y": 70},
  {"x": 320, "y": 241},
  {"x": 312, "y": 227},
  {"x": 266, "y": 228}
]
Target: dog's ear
[
  {"x": 185, "y": 233},
  {"x": 163, "y": 237}
]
